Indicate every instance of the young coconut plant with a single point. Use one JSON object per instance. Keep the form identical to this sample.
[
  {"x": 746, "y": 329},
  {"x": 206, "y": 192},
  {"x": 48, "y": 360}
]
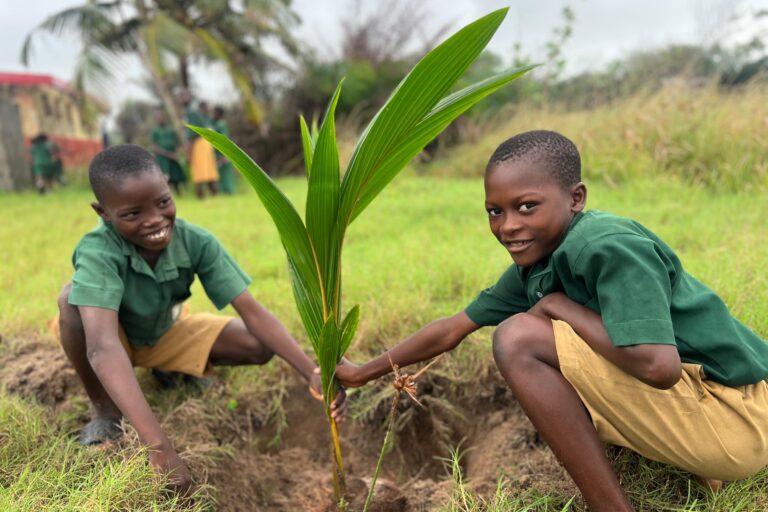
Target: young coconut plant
[{"x": 416, "y": 112}]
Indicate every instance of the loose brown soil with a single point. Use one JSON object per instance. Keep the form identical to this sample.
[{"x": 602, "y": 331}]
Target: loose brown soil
[{"x": 234, "y": 450}]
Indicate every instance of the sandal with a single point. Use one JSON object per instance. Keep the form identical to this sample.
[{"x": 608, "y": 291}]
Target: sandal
[{"x": 99, "y": 430}]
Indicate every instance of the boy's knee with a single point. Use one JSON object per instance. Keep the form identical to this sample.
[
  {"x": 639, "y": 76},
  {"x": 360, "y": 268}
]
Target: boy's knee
[
  {"x": 515, "y": 337},
  {"x": 63, "y": 300},
  {"x": 69, "y": 316},
  {"x": 257, "y": 352},
  {"x": 262, "y": 355}
]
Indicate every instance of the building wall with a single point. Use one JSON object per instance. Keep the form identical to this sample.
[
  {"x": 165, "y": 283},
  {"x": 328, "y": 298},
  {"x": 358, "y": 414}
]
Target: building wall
[
  {"x": 44, "y": 108},
  {"x": 14, "y": 167}
]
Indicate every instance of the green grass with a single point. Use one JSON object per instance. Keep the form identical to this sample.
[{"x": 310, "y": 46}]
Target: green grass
[
  {"x": 423, "y": 251},
  {"x": 43, "y": 468}
]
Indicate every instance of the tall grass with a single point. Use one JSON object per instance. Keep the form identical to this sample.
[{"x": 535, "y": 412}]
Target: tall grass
[{"x": 702, "y": 136}]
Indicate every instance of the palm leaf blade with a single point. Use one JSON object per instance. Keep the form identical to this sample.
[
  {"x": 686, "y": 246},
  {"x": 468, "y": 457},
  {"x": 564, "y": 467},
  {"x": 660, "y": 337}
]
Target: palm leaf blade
[
  {"x": 416, "y": 95},
  {"x": 293, "y": 234},
  {"x": 323, "y": 203},
  {"x": 448, "y": 109},
  {"x": 307, "y": 144}
]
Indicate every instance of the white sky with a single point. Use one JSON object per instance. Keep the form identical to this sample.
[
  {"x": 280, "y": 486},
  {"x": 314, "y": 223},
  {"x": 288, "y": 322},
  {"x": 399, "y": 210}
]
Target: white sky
[{"x": 603, "y": 31}]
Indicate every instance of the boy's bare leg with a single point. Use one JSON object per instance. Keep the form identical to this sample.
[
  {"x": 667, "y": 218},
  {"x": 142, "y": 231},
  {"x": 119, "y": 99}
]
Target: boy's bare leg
[
  {"x": 73, "y": 342},
  {"x": 236, "y": 346},
  {"x": 525, "y": 352}
]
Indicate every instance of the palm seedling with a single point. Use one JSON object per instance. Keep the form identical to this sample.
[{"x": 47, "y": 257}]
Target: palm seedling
[{"x": 416, "y": 112}]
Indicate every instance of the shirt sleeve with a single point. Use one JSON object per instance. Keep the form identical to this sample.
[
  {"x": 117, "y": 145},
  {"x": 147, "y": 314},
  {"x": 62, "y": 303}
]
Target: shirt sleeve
[
  {"x": 97, "y": 280},
  {"x": 221, "y": 276},
  {"x": 631, "y": 278},
  {"x": 502, "y": 300}
]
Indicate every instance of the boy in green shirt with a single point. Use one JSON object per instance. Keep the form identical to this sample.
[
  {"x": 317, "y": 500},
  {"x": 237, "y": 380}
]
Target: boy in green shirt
[
  {"x": 123, "y": 306},
  {"x": 603, "y": 337}
]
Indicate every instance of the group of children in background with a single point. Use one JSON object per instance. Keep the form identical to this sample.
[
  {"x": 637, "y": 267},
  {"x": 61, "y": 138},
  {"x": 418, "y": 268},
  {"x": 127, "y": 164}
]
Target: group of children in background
[{"x": 209, "y": 170}]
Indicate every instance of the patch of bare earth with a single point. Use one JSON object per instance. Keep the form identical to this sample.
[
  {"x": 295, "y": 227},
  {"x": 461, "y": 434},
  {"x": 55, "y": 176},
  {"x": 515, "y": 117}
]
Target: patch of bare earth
[
  {"x": 41, "y": 371},
  {"x": 235, "y": 453}
]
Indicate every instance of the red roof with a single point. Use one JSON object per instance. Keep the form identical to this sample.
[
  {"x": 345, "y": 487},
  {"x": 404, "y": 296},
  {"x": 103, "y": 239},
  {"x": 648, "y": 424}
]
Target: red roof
[{"x": 32, "y": 79}]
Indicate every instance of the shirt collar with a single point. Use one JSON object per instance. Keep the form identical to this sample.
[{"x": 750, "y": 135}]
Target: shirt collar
[
  {"x": 169, "y": 262},
  {"x": 544, "y": 266}
]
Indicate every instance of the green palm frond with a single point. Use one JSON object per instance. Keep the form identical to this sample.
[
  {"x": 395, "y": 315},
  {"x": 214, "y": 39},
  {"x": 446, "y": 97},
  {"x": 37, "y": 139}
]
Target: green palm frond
[{"x": 88, "y": 22}]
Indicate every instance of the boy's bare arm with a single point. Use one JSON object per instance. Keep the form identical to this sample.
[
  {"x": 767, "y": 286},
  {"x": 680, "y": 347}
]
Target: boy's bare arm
[
  {"x": 435, "y": 338},
  {"x": 268, "y": 330},
  {"x": 111, "y": 365},
  {"x": 657, "y": 365}
]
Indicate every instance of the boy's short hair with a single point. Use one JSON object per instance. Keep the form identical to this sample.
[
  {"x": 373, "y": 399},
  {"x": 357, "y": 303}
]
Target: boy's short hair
[
  {"x": 556, "y": 152},
  {"x": 111, "y": 166}
]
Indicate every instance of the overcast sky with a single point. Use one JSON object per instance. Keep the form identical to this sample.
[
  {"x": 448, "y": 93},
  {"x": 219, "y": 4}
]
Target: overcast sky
[{"x": 603, "y": 31}]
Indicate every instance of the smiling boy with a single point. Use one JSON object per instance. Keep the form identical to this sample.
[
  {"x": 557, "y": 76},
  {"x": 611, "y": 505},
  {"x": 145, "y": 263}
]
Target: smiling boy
[
  {"x": 123, "y": 307},
  {"x": 602, "y": 336}
]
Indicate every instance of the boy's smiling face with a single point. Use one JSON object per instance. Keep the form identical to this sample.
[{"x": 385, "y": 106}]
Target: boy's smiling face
[
  {"x": 528, "y": 210},
  {"x": 141, "y": 209}
]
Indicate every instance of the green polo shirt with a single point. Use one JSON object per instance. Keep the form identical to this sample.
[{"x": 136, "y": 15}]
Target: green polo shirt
[
  {"x": 110, "y": 274},
  {"x": 629, "y": 276}
]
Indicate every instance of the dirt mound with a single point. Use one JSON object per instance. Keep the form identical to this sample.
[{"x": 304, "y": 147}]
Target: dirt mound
[
  {"x": 235, "y": 451},
  {"x": 41, "y": 371}
]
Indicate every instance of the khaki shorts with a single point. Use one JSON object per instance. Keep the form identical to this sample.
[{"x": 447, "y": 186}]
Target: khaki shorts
[
  {"x": 709, "y": 429},
  {"x": 185, "y": 348}
]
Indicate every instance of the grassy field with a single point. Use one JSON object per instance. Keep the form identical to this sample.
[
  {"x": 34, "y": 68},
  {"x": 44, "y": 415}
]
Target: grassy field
[{"x": 421, "y": 251}]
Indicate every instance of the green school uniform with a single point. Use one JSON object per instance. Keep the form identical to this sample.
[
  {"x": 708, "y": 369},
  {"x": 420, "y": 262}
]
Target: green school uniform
[
  {"x": 195, "y": 118},
  {"x": 43, "y": 165},
  {"x": 629, "y": 276},
  {"x": 165, "y": 137},
  {"x": 226, "y": 169},
  {"x": 110, "y": 274}
]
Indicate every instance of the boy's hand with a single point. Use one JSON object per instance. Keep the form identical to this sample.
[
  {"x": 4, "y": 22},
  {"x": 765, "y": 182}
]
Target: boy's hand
[
  {"x": 339, "y": 405},
  {"x": 169, "y": 463},
  {"x": 348, "y": 374}
]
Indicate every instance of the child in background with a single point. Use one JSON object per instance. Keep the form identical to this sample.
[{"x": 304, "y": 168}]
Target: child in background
[
  {"x": 226, "y": 169},
  {"x": 123, "y": 307},
  {"x": 43, "y": 164},
  {"x": 165, "y": 145},
  {"x": 602, "y": 336},
  {"x": 202, "y": 161}
]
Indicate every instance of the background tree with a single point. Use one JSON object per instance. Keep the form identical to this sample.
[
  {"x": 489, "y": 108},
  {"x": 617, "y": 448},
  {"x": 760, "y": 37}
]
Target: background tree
[{"x": 160, "y": 31}]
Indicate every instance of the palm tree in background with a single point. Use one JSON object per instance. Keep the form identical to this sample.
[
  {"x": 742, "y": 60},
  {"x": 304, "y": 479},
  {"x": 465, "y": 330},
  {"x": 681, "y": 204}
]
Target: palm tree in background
[{"x": 166, "y": 35}]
